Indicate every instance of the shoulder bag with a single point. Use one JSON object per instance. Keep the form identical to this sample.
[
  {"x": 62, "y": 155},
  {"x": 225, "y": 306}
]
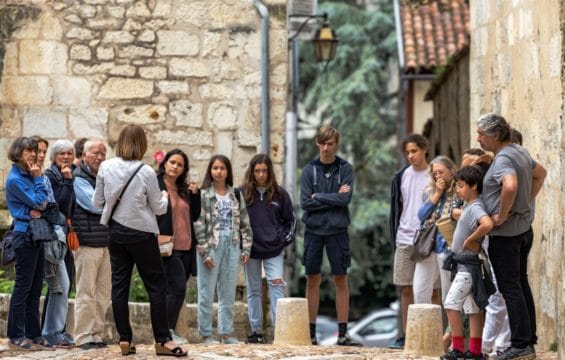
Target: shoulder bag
[
  {"x": 167, "y": 242},
  {"x": 123, "y": 190},
  {"x": 424, "y": 241},
  {"x": 7, "y": 255}
]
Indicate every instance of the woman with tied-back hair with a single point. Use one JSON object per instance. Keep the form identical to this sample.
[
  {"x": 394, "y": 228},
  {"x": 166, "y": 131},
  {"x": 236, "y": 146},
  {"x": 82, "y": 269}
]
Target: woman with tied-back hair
[
  {"x": 183, "y": 209},
  {"x": 133, "y": 241},
  {"x": 273, "y": 223},
  {"x": 439, "y": 197},
  {"x": 25, "y": 190},
  {"x": 224, "y": 240}
]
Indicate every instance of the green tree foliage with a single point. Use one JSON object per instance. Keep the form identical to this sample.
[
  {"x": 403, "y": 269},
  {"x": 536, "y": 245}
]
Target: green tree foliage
[{"x": 352, "y": 94}]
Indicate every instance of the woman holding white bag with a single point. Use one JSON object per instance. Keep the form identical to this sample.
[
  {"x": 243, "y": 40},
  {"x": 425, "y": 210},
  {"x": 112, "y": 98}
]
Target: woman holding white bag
[{"x": 183, "y": 209}]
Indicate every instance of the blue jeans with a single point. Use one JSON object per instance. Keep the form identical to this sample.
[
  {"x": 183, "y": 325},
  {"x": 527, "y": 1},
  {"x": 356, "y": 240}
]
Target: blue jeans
[
  {"x": 223, "y": 276},
  {"x": 57, "y": 306},
  {"x": 23, "y": 316},
  {"x": 274, "y": 269}
]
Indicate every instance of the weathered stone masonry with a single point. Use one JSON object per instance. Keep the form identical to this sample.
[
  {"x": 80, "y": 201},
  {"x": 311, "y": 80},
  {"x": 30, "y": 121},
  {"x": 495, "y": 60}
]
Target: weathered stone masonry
[{"x": 186, "y": 70}]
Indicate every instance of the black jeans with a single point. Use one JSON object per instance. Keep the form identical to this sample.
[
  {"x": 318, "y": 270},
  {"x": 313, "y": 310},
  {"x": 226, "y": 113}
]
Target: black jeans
[
  {"x": 128, "y": 247},
  {"x": 509, "y": 258},
  {"x": 23, "y": 316},
  {"x": 178, "y": 268}
]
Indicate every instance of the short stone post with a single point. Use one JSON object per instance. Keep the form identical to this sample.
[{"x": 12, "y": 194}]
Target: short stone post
[
  {"x": 424, "y": 330},
  {"x": 292, "y": 325}
]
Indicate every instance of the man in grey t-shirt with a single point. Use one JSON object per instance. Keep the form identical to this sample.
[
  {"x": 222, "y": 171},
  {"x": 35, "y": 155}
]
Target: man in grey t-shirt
[{"x": 509, "y": 188}]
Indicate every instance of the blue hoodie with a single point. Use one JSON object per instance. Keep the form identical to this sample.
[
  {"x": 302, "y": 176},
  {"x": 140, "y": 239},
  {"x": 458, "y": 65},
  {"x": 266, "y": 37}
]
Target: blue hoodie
[{"x": 327, "y": 213}]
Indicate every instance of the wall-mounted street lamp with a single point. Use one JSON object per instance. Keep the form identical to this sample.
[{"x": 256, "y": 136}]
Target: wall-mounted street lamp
[
  {"x": 325, "y": 41},
  {"x": 325, "y": 44}
]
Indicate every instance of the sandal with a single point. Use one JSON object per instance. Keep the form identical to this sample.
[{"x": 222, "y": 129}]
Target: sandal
[
  {"x": 127, "y": 348},
  {"x": 23, "y": 344},
  {"x": 177, "y": 351},
  {"x": 43, "y": 343}
]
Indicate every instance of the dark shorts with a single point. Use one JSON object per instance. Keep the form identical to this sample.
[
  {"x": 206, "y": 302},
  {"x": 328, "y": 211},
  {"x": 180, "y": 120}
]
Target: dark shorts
[{"x": 337, "y": 250}]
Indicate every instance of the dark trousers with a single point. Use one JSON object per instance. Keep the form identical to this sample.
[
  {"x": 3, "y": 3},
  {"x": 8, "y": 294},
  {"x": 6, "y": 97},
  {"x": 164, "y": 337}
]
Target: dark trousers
[
  {"x": 23, "y": 316},
  {"x": 129, "y": 247},
  {"x": 509, "y": 258},
  {"x": 178, "y": 268}
]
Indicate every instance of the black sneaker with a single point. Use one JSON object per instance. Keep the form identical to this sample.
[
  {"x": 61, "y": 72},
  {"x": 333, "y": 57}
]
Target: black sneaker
[
  {"x": 470, "y": 356},
  {"x": 515, "y": 353},
  {"x": 346, "y": 341},
  {"x": 255, "y": 339},
  {"x": 314, "y": 341},
  {"x": 89, "y": 345},
  {"x": 398, "y": 344},
  {"x": 454, "y": 355}
]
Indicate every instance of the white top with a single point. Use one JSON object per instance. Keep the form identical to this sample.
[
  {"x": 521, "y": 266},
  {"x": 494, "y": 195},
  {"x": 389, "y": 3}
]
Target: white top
[
  {"x": 141, "y": 201},
  {"x": 412, "y": 190}
]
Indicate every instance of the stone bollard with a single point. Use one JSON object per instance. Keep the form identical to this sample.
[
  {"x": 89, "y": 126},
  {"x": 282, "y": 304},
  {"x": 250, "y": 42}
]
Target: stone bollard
[
  {"x": 292, "y": 325},
  {"x": 424, "y": 330}
]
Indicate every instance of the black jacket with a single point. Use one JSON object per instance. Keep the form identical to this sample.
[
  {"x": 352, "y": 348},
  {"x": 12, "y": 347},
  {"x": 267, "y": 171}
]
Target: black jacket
[
  {"x": 273, "y": 224},
  {"x": 62, "y": 189},
  {"x": 86, "y": 224},
  {"x": 165, "y": 221},
  {"x": 327, "y": 213},
  {"x": 396, "y": 204},
  {"x": 483, "y": 287}
]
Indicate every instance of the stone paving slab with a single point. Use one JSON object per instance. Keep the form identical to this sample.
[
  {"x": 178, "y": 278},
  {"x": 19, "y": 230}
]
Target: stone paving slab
[{"x": 230, "y": 352}]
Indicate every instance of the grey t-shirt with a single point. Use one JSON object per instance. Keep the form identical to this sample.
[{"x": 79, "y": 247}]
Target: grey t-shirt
[
  {"x": 511, "y": 159},
  {"x": 468, "y": 222}
]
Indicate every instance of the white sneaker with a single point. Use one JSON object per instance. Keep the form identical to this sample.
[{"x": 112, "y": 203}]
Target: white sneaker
[
  {"x": 208, "y": 340},
  {"x": 177, "y": 339}
]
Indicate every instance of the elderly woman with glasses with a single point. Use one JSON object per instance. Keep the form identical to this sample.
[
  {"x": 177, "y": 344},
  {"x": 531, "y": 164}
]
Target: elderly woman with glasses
[{"x": 25, "y": 190}]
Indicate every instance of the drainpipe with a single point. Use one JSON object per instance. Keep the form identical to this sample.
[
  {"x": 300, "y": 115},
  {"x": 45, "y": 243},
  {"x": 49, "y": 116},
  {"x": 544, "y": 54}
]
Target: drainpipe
[{"x": 265, "y": 69}]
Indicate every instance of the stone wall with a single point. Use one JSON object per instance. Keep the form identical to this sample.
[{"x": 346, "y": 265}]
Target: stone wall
[
  {"x": 140, "y": 320},
  {"x": 516, "y": 69},
  {"x": 188, "y": 71}
]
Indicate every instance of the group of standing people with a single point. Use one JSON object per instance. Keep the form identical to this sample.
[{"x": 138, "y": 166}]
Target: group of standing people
[
  {"x": 492, "y": 200},
  {"x": 117, "y": 207}
]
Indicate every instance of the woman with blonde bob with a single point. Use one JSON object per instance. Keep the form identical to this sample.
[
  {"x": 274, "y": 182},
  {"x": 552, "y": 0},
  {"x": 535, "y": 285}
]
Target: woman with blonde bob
[
  {"x": 438, "y": 198},
  {"x": 133, "y": 229}
]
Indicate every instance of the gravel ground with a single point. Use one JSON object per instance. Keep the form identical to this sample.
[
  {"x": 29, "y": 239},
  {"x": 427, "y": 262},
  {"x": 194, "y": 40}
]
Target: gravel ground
[{"x": 223, "y": 352}]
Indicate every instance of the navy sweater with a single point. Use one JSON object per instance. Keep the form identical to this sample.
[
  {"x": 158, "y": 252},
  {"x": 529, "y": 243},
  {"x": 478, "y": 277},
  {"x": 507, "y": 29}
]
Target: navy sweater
[
  {"x": 327, "y": 213},
  {"x": 273, "y": 224}
]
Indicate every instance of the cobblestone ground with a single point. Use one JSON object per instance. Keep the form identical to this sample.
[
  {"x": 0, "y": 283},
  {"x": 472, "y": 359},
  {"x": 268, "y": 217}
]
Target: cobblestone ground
[{"x": 224, "y": 352}]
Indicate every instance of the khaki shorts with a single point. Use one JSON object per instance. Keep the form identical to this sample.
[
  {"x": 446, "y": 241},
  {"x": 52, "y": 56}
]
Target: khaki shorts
[{"x": 403, "y": 273}]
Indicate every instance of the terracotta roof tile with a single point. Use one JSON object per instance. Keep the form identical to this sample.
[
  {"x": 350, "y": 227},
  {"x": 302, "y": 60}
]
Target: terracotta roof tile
[{"x": 432, "y": 31}]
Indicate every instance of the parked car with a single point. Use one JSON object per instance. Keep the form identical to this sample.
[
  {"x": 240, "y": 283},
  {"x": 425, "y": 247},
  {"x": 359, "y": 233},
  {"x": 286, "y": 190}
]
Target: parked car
[
  {"x": 378, "y": 329},
  {"x": 325, "y": 327}
]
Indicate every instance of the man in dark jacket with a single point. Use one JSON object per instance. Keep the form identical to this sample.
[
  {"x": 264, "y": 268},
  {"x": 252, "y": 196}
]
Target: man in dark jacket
[
  {"x": 92, "y": 259},
  {"x": 325, "y": 192}
]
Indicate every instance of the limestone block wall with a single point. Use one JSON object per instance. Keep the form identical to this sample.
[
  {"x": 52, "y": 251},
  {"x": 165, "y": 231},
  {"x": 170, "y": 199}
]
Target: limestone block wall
[
  {"x": 516, "y": 69},
  {"x": 188, "y": 71}
]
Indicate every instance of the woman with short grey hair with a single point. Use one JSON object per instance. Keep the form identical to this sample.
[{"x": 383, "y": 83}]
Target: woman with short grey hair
[{"x": 57, "y": 301}]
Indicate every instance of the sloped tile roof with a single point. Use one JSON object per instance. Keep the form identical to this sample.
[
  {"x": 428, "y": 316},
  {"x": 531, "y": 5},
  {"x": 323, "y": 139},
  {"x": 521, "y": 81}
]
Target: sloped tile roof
[{"x": 432, "y": 31}]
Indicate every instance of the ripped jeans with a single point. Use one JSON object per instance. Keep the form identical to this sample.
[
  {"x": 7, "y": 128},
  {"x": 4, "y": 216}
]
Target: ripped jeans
[{"x": 274, "y": 269}]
